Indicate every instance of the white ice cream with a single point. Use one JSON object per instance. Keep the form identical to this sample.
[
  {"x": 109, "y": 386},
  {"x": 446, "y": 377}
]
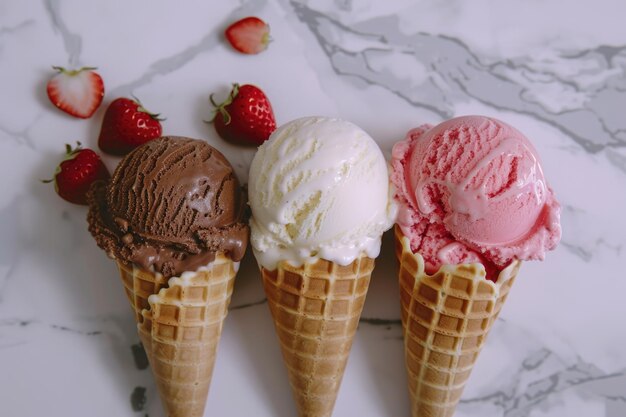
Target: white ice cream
[{"x": 318, "y": 188}]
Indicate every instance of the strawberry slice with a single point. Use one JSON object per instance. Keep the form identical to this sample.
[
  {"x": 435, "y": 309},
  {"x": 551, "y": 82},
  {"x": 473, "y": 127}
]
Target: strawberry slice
[
  {"x": 76, "y": 92},
  {"x": 249, "y": 35},
  {"x": 75, "y": 174}
]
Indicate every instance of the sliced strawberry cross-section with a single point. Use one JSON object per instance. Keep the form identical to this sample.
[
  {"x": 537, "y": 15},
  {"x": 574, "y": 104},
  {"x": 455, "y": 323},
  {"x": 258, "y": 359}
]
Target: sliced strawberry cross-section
[
  {"x": 76, "y": 92},
  {"x": 249, "y": 35}
]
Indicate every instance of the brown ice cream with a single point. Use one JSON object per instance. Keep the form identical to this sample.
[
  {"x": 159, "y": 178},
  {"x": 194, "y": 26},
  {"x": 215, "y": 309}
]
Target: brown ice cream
[{"x": 169, "y": 207}]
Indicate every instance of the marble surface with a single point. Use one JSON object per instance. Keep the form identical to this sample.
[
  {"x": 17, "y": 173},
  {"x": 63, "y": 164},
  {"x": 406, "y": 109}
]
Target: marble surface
[{"x": 556, "y": 70}]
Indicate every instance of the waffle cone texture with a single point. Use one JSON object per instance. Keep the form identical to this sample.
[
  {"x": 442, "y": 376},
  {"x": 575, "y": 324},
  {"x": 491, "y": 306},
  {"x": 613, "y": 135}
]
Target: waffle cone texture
[
  {"x": 180, "y": 323},
  {"x": 445, "y": 318},
  {"x": 316, "y": 309}
]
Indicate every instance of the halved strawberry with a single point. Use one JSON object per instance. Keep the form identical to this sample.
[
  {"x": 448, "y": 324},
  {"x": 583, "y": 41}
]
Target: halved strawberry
[
  {"x": 76, "y": 92},
  {"x": 75, "y": 174},
  {"x": 249, "y": 35}
]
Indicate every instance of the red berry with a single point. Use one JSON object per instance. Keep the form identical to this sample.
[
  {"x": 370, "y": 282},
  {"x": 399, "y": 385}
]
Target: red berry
[
  {"x": 76, "y": 173},
  {"x": 249, "y": 35},
  {"x": 246, "y": 117},
  {"x": 76, "y": 92},
  {"x": 127, "y": 125}
]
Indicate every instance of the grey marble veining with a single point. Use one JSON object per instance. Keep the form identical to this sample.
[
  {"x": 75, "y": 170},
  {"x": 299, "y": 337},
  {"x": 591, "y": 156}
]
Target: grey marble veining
[
  {"x": 573, "y": 219},
  {"x": 557, "y": 349},
  {"x": 170, "y": 64},
  {"x": 72, "y": 41},
  {"x": 22, "y": 136},
  {"x": 89, "y": 327},
  {"x": 11, "y": 30},
  {"x": 616, "y": 159},
  {"x": 12, "y": 248},
  {"x": 455, "y": 72},
  {"x": 543, "y": 376}
]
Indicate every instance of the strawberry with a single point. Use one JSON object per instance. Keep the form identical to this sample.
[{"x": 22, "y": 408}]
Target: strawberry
[
  {"x": 75, "y": 174},
  {"x": 249, "y": 35},
  {"x": 246, "y": 117},
  {"x": 127, "y": 125},
  {"x": 76, "y": 92}
]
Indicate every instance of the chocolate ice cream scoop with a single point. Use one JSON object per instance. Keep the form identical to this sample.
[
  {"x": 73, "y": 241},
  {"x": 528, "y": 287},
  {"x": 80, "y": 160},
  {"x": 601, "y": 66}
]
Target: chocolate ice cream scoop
[{"x": 171, "y": 205}]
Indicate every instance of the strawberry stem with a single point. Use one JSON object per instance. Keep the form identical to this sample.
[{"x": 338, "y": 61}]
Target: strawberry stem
[
  {"x": 234, "y": 91},
  {"x": 266, "y": 39},
  {"x": 221, "y": 108},
  {"x": 73, "y": 72},
  {"x": 69, "y": 154},
  {"x": 142, "y": 109},
  {"x": 69, "y": 151}
]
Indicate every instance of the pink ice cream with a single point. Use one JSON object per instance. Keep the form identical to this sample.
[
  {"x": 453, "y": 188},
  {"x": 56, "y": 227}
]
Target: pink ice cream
[{"x": 471, "y": 189}]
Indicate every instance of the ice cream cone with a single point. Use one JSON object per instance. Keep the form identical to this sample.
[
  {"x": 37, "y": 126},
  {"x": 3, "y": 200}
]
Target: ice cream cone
[
  {"x": 180, "y": 322},
  {"x": 316, "y": 309},
  {"x": 446, "y": 318}
]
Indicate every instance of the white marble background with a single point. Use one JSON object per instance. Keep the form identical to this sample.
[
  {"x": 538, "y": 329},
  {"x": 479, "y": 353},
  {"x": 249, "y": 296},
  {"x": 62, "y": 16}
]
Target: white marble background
[{"x": 556, "y": 70}]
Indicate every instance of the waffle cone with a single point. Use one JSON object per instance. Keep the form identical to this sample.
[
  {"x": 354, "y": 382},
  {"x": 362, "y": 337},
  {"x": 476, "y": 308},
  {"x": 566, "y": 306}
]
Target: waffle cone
[
  {"x": 180, "y": 322},
  {"x": 316, "y": 309},
  {"x": 446, "y": 318}
]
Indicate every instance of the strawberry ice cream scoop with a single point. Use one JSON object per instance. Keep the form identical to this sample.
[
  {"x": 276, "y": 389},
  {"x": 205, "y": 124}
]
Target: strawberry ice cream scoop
[{"x": 472, "y": 189}]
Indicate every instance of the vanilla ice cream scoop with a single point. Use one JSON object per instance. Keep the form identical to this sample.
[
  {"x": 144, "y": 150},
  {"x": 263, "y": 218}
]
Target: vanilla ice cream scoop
[{"x": 318, "y": 188}]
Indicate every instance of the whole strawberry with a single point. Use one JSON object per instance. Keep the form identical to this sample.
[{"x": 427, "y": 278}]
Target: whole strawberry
[
  {"x": 249, "y": 35},
  {"x": 75, "y": 174},
  {"x": 127, "y": 125},
  {"x": 246, "y": 117},
  {"x": 76, "y": 92}
]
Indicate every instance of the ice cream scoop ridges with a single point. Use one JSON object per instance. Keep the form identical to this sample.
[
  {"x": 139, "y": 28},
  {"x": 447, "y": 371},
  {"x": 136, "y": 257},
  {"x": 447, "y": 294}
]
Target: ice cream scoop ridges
[
  {"x": 318, "y": 188},
  {"x": 482, "y": 181},
  {"x": 169, "y": 207}
]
